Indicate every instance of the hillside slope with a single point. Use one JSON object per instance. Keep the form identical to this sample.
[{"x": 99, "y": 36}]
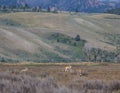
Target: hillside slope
[{"x": 50, "y": 37}]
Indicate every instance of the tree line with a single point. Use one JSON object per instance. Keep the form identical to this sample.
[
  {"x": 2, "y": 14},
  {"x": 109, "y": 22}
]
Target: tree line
[{"x": 26, "y": 8}]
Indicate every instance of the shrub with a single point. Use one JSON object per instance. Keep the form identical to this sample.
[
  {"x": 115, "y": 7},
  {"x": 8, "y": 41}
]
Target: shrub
[
  {"x": 77, "y": 38},
  {"x": 26, "y": 84},
  {"x": 114, "y": 85},
  {"x": 102, "y": 86},
  {"x": 10, "y": 83},
  {"x": 95, "y": 86}
]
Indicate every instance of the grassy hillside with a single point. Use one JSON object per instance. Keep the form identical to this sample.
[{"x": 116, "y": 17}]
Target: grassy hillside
[{"x": 32, "y": 36}]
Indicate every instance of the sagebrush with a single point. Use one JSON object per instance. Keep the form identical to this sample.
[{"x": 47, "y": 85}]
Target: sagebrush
[{"x": 11, "y": 83}]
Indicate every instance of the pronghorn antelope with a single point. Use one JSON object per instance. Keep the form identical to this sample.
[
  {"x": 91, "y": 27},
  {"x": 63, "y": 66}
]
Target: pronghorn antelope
[
  {"x": 24, "y": 70},
  {"x": 81, "y": 72},
  {"x": 14, "y": 72},
  {"x": 68, "y": 68}
]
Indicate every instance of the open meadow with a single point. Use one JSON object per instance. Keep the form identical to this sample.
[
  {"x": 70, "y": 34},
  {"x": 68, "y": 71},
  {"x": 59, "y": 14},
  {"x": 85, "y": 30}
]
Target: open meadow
[{"x": 98, "y": 78}]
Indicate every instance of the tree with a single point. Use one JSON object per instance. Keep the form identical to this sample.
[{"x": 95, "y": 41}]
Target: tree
[
  {"x": 37, "y": 9},
  {"x": 86, "y": 53},
  {"x": 95, "y": 53},
  {"x": 4, "y": 7},
  {"x": 13, "y": 7},
  {"x": 24, "y": 6},
  {"x": 117, "y": 53},
  {"x": 48, "y": 9},
  {"x": 102, "y": 55},
  {"x": 77, "y": 38}
]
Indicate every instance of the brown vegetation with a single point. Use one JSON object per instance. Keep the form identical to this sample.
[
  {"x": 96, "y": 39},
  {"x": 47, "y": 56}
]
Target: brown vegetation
[{"x": 44, "y": 78}]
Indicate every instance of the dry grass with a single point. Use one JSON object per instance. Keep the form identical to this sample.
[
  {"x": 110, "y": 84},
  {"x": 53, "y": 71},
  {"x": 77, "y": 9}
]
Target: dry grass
[
  {"x": 23, "y": 36},
  {"x": 102, "y": 71},
  {"x": 85, "y": 25},
  {"x": 101, "y": 78}
]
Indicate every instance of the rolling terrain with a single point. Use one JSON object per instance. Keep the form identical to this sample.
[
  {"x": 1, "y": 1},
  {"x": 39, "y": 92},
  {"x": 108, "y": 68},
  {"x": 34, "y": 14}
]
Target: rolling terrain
[{"x": 41, "y": 36}]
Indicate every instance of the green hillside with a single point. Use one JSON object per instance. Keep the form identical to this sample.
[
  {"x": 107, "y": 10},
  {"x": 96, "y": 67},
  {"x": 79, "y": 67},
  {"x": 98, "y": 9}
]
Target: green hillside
[{"x": 49, "y": 37}]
